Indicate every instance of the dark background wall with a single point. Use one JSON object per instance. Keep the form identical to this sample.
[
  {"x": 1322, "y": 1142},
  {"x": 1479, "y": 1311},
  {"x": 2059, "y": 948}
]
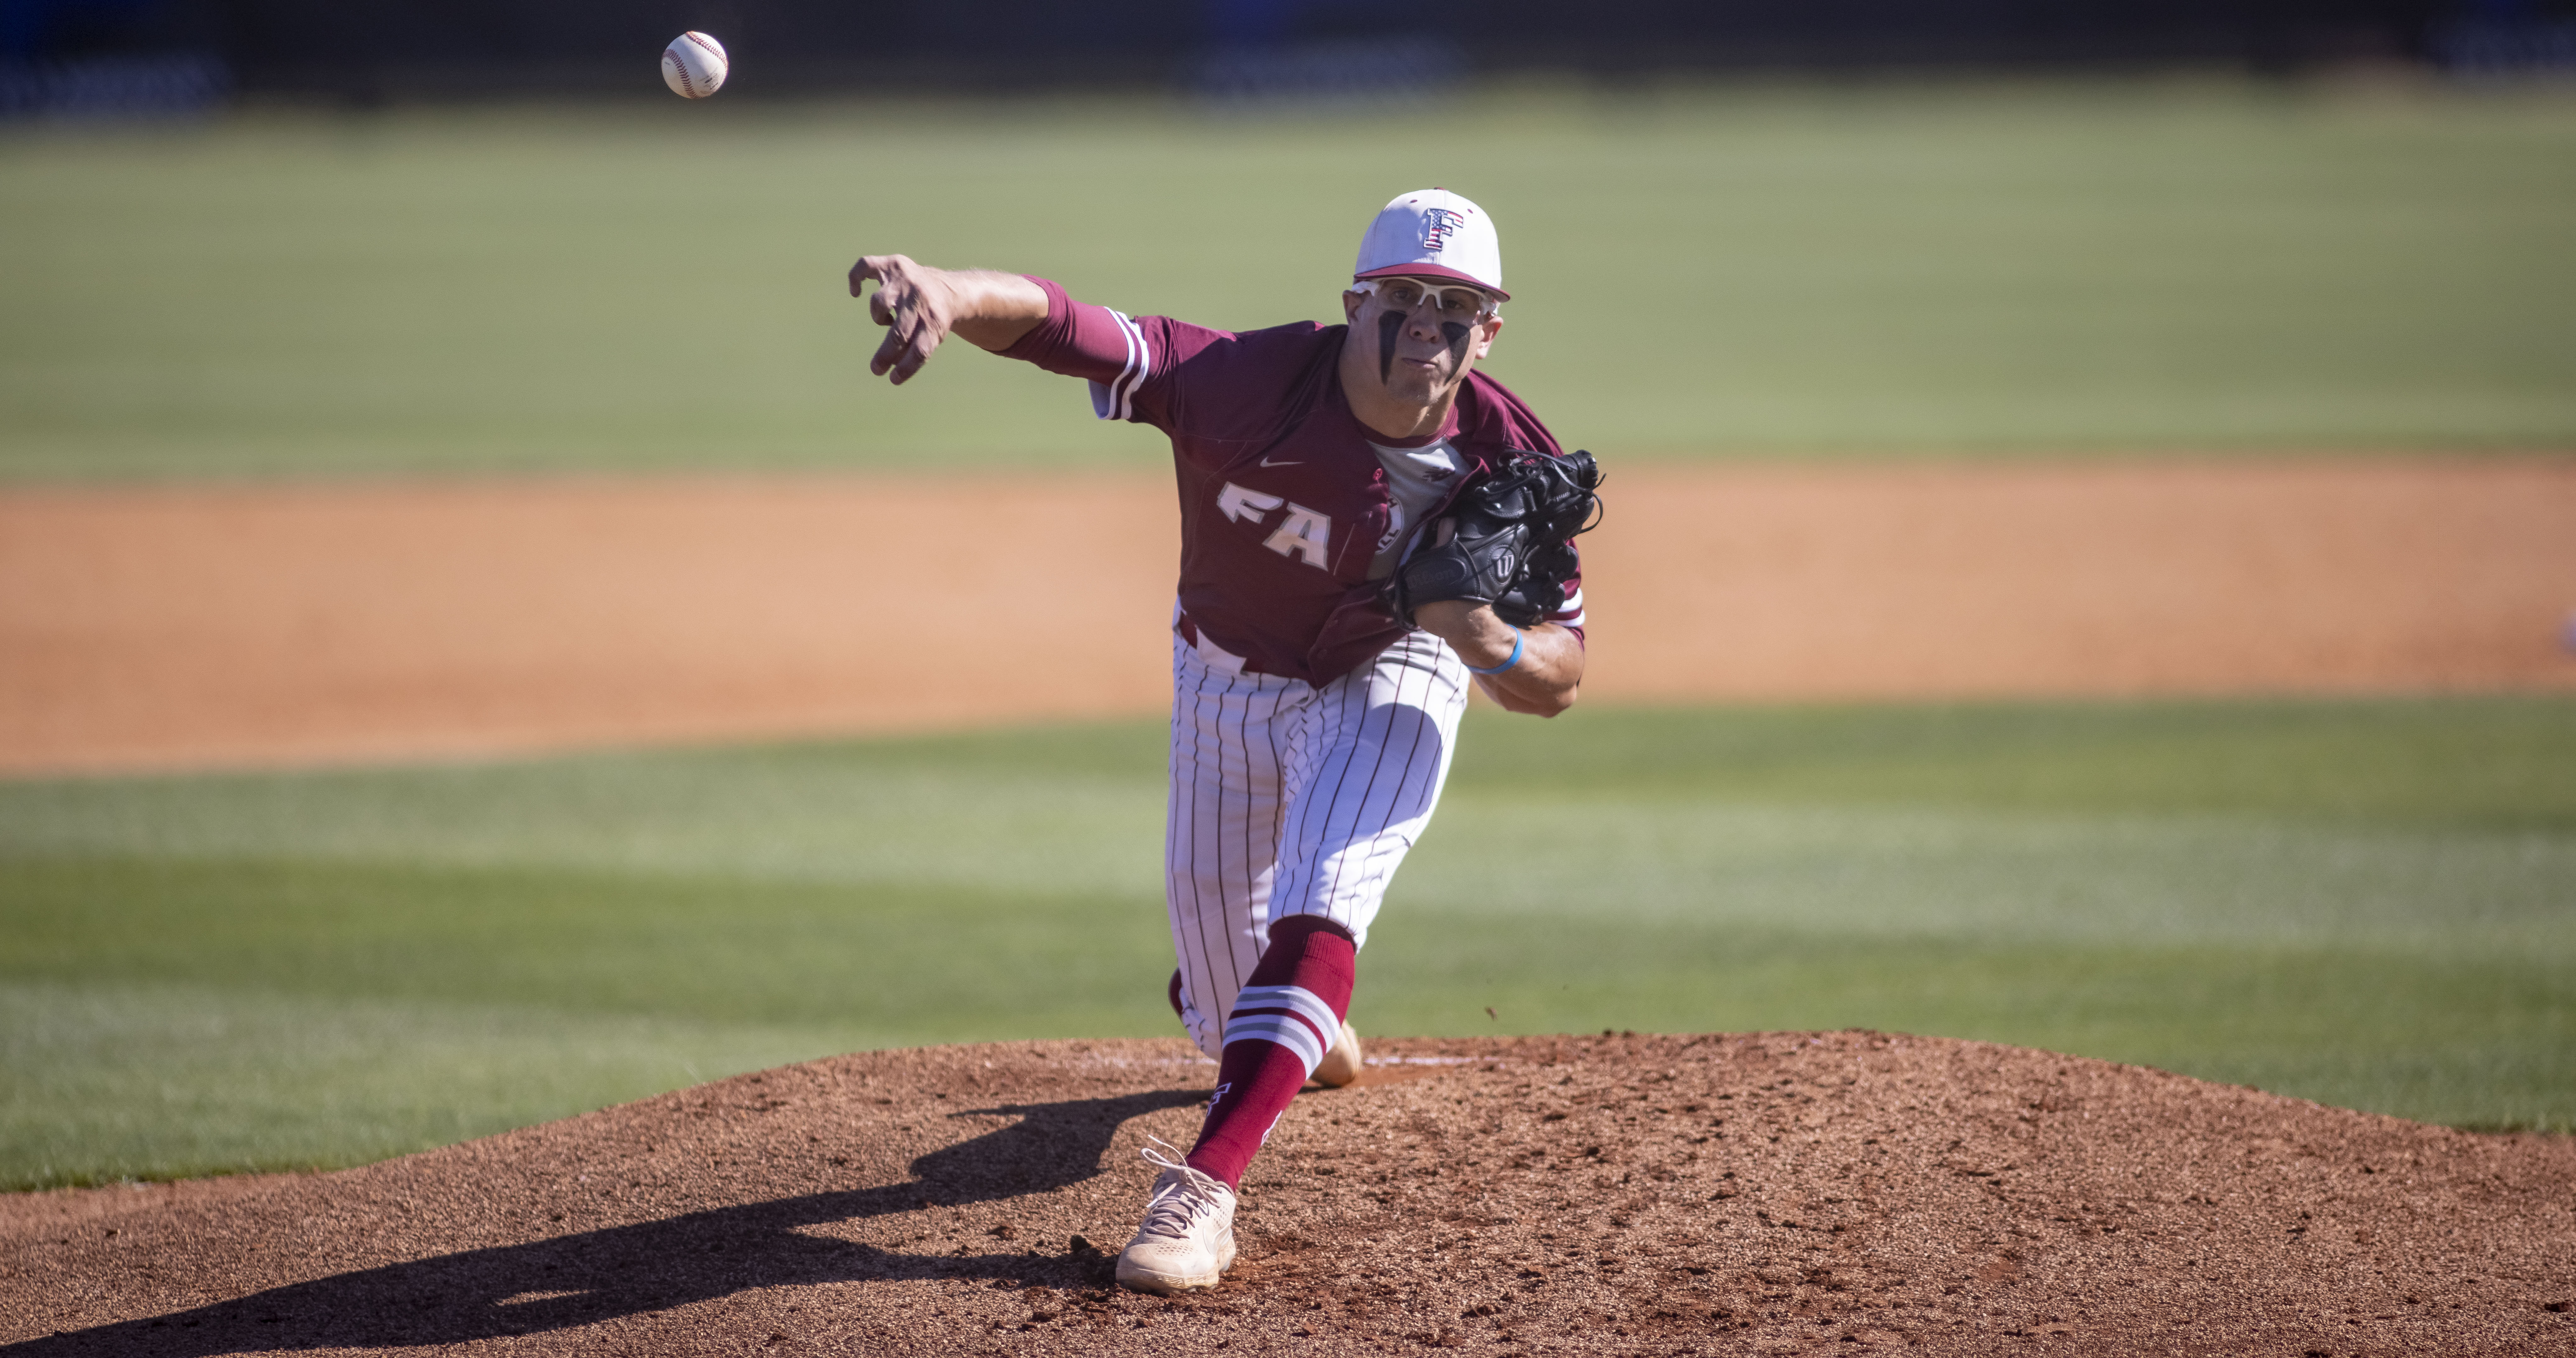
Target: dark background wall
[{"x": 399, "y": 48}]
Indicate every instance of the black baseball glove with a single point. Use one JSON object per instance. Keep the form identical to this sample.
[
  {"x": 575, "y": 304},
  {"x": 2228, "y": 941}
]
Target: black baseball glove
[{"x": 1507, "y": 540}]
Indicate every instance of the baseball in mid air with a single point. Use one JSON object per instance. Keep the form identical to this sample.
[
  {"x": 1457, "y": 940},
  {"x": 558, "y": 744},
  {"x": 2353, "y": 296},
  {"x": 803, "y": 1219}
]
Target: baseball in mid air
[{"x": 694, "y": 65}]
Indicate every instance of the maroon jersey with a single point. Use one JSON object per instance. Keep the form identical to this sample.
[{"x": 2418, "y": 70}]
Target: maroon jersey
[{"x": 1284, "y": 503}]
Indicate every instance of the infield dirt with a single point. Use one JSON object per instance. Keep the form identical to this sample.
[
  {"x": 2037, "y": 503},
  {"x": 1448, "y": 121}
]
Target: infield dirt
[
  {"x": 177, "y": 628},
  {"x": 1762, "y": 1193}
]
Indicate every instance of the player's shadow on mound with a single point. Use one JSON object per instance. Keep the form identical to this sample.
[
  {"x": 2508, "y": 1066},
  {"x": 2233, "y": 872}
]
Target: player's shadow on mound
[{"x": 601, "y": 1275}]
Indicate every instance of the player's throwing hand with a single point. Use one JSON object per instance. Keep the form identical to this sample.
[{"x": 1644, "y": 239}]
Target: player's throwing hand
[{"x": 920, "y": 306}]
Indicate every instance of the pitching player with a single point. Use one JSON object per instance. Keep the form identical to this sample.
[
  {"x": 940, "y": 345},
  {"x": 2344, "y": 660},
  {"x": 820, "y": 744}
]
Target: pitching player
[{"x": 1311, "y": 728}]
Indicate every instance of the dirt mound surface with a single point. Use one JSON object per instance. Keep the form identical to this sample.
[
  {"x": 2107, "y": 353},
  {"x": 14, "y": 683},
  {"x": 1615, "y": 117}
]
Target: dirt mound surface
[{"x": 1740, "y": 1194}]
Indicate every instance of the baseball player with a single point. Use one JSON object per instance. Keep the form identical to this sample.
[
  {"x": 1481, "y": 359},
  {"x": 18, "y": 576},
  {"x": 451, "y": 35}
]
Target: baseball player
[{"x": 1312, "y": 725}]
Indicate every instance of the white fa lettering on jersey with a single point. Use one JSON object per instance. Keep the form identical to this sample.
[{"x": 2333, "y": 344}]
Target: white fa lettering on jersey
[
  {"x": 1304, "y": 534},
  {"x": 1245, "y": 506}
]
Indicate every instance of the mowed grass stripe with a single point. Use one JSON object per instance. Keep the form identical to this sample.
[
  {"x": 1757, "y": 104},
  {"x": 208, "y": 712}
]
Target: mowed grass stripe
[
  {"x": 879, "y": 964},
  {"x": 2491, "y": 762},
  {"x": 1974, "y": 269},
  {"x": 2489, "y": 1043},
  {"x": 1061, "y": 807},
  {"x": 2369, "y": 903},
  {"x": 110, "y": 1081}
]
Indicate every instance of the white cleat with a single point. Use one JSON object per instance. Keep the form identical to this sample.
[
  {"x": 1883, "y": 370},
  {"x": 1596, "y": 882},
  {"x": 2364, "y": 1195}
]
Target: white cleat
[
  {"x": 1187, "y": 1240},
  {"x": 1341, "y": 1065}
]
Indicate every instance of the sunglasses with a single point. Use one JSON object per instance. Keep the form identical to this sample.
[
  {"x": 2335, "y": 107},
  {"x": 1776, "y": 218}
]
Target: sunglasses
[{"x": 1448, "y": 303}]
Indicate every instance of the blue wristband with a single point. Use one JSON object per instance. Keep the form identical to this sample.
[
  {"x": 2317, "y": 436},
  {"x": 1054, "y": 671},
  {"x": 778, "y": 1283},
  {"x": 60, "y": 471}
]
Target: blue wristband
[{"x": 1508, "y": 661}]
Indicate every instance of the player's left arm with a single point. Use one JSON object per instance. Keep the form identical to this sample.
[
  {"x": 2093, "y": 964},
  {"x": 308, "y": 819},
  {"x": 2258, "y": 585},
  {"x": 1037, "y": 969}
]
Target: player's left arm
[{"x": 1546, "y": 679}]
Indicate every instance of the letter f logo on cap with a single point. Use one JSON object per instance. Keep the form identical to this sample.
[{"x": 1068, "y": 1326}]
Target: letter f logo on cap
[
  {"x": 1436, "y": 226},
  {"x": 1433, "y": 233}
]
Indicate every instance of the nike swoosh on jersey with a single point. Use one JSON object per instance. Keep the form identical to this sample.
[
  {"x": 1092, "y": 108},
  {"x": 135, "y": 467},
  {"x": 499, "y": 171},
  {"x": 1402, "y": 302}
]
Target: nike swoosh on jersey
[{"x": 1265, "y": 461}]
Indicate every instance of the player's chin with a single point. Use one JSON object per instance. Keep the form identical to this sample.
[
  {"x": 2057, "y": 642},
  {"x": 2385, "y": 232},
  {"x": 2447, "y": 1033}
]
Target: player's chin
[{"x": 1417, "y": 384}]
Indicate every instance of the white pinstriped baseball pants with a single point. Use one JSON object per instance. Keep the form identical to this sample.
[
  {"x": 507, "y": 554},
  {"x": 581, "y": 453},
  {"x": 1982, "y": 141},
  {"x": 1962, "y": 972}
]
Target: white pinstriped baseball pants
[{"x": 1291, "y": 799}]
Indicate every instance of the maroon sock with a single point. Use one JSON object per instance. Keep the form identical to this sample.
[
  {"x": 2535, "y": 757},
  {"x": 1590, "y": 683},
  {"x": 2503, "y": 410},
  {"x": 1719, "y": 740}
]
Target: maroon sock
[{"x": 1286, "y": 1018}]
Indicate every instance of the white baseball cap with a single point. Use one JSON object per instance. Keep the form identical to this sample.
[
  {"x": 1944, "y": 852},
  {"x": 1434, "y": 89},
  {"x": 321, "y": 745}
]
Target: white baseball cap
[{"x": 1433, "y": 233}]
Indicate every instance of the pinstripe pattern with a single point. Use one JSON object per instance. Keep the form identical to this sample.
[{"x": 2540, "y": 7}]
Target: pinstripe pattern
[
  {"x": 1288, "y": 799},
  {"x": 1372, "y": 755}
]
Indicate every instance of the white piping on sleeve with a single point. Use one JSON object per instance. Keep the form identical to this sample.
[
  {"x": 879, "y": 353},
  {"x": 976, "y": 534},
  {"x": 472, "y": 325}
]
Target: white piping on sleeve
[
  {"x": 1116, "y": 398},
  {"x": 1111, "y": 400},
  {"x": 1140, "y": 362}
]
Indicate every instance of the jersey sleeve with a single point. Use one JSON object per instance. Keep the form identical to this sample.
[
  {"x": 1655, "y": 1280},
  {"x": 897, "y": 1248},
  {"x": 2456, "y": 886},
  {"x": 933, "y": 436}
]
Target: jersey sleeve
[{"x": 1128, "y": 360}]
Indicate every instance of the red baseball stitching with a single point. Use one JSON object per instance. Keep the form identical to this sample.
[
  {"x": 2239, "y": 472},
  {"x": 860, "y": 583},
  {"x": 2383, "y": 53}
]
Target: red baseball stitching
[{"x": 706, "y": 44}]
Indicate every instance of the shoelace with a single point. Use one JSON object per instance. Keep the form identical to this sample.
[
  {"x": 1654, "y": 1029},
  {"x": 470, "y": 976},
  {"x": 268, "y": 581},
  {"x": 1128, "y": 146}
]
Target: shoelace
[{"x": 1178, "y": 1209}]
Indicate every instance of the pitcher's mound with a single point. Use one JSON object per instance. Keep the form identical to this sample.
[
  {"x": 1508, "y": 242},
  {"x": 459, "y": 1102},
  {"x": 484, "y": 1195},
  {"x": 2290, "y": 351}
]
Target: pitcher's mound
[{"x": 1744, "y": 1194}]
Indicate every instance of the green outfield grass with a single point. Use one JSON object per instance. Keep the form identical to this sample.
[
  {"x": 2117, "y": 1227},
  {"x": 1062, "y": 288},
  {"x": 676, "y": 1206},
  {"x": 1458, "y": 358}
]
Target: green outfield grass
[
  {"x": 1972, "y": 268},
  {"x": 2367, "y": 903}
]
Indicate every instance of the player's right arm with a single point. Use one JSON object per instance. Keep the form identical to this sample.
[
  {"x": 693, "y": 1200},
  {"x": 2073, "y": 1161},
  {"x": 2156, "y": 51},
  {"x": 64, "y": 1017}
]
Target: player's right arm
[
  {"x": 1133, "y": 363},
  {"x": 920, "y": 306}
]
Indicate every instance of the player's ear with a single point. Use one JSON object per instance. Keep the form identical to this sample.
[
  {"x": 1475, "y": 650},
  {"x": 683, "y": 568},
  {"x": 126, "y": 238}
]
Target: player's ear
[
  {"x": 1351, "y": 300},
  {"x": 1485, "y": 334}
]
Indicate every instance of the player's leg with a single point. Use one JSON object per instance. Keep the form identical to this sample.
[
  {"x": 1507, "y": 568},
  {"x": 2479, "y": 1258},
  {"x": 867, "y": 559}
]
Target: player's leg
[
  {"x": 1187, "y": 1238},
  {"x": 1367, "y": 763},
  {"x": 1343, "y": 1061},
  {"x": 1363, "y": 769},
  {"x": 1283, "y": 1023},
  {"x": 1221, "y": 833},
  {"x": 1220, "y": 841}
]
